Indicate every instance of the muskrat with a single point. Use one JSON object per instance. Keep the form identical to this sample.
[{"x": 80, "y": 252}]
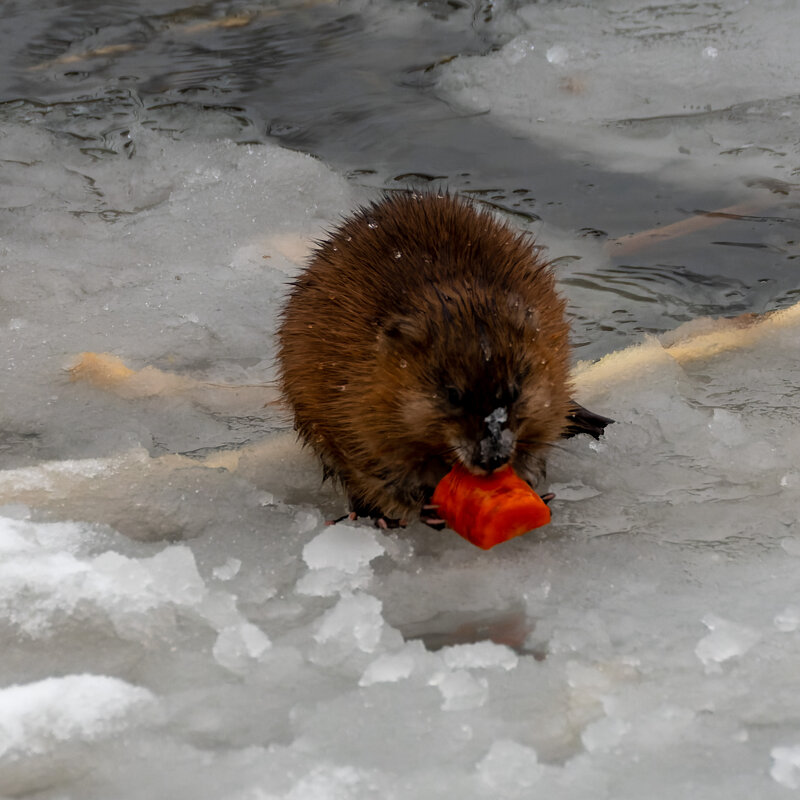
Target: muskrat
[{"x": 425, "y": 331}]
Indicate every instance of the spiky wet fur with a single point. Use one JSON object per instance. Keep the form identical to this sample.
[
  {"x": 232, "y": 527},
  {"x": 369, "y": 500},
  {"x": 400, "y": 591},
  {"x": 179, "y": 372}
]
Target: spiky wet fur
[{"x": 418, "y": 317}]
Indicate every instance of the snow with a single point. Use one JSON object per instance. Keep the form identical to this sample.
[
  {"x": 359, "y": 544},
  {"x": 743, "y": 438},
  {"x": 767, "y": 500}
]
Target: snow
[
  {"x": 177, "y": 619},
  {"x": 45, "y": 726},
  {"x": 35, "y": 716},
  {"x": 42, "y": 583}
]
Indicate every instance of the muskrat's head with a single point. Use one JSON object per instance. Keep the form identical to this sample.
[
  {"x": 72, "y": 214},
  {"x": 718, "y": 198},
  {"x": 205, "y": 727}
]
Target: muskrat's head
[{"x": 477, "y": 376}]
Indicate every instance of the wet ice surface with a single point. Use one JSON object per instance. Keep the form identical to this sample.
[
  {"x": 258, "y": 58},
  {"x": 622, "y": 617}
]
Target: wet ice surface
[
  {"x": 678, "y": 88},
  {"x": 700, "y": 96},
  {"x": 645, "y": 643},
  {"x": 177, "y": 620},
  {"x": 206, "y": 635}
]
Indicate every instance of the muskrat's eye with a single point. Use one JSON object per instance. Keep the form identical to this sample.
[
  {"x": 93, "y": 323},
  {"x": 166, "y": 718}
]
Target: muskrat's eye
[{"x": 454, "y": 396}]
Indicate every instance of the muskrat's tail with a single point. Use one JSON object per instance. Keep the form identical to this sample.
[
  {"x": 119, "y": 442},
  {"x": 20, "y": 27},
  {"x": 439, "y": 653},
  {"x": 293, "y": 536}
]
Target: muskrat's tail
[{"x": 581, "y": 420}]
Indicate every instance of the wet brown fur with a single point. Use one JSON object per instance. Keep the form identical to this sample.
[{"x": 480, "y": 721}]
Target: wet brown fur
[{"x": 418, "y": 317}]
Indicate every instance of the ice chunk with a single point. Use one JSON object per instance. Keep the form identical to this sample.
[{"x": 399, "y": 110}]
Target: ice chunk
[
  {"x": 355, "y": 621},
  {"x": 557, "y": 54},
  {"x": 388, "y": 668},
  {"x": 238, "y": 645},
  {"x": 169, "y": 576},
  {"x": 517, "y": 50},
  {"x": 786, "y": 766},
  {"x": 727, "y": 640},
  {"x": 343, "y": 547},
  {"x": 460, "y": 690},
  {"x": 479, "y": 655},
  {"x": 327, "y": 582},
  {"x": 509, "y": 767},
  {"x": 339, "y": 558}
]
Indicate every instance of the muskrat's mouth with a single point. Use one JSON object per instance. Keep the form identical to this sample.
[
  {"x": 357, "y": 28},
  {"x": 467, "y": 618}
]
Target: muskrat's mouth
[{"x": 477, "y": 469}]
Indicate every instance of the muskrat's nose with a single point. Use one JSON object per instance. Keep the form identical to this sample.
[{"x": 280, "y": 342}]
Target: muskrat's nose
[
  {"x": 491, "y": 463},
  {"x": 496, "y": 447}
]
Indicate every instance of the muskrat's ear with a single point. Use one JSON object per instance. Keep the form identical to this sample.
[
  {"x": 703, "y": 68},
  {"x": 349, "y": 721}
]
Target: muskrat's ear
[
  {"x": 521, "y": 312},
  {"x": 397, "y": 328},
  {"x": 399, "y": 332}
]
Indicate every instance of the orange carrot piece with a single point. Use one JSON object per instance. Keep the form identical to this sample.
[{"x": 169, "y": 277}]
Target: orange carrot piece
[{"x": 489, "y": 509}]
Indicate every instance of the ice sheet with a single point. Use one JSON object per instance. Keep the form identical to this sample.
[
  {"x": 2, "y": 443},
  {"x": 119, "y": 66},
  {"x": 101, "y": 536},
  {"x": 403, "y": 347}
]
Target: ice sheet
[
  {"x": 656, "y": 653},
  {"x": 170, "y": 558}
]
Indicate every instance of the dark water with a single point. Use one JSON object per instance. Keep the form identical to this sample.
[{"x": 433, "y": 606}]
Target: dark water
[{"x": 354, "y": 84}]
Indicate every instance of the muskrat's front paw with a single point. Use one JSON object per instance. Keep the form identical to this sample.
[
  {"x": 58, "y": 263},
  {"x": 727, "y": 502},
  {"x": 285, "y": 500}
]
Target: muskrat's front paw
[
  {"x": 429, "y": 516},
  {"x": 385, "y": 523}
]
